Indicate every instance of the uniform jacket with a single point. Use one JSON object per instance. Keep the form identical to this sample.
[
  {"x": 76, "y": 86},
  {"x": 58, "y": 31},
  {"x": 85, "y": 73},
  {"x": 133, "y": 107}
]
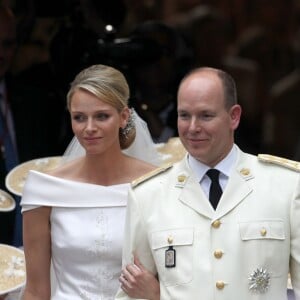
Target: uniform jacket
[{"x": 242, "y": 251}]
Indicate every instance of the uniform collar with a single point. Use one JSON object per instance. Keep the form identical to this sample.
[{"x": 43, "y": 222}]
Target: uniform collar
[{"x": 225, "y": 166}]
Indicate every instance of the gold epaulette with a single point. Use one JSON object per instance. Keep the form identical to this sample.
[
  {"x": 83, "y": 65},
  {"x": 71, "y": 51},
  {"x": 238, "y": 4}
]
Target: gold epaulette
[
  {"x": 151, "y": 174},
  {"x": 287, "y": 163}
]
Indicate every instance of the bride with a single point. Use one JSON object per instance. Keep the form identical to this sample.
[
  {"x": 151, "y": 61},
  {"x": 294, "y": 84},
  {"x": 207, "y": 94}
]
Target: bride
[{"x": 73, "y": 217}]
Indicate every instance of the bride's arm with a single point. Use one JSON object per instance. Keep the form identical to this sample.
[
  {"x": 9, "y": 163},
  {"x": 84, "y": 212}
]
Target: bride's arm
[
  {"x": 138, "y": 282},
  {"x": 37, "y": 248}
]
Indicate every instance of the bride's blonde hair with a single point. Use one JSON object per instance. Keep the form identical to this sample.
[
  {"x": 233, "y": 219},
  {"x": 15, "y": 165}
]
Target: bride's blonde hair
[{"x": 109, "y": 85}]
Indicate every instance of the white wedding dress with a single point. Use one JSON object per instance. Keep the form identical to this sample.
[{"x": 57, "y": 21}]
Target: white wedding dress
[{"x": 87, "y": 222}]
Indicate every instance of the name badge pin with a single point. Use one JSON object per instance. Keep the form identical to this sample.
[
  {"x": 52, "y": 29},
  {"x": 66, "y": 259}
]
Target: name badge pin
[{"x": 170, "y": 255}]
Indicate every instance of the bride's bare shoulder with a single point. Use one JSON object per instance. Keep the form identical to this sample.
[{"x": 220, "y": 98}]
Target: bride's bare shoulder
[{"x": 66, "y": 170}]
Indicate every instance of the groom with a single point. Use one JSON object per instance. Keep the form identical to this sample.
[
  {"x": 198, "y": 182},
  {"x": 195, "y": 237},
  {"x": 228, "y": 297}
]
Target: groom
[{"x": 240, "y": 246}]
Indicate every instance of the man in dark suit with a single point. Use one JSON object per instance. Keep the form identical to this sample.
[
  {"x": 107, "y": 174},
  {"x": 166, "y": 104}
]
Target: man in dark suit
[
  {"x": 32, "y": 114},
  {"x": 8, "y": 155}
]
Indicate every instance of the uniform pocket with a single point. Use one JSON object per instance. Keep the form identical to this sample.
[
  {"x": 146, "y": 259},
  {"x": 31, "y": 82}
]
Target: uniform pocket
[
  {"x": 265, "y": 229},
  {"x": 181, "y": 240},
  {"x": 262, "y": 240}
]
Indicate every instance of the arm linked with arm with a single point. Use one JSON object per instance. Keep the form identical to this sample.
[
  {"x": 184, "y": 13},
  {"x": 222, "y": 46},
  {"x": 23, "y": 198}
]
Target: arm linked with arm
[{"x": 136, "y": 242}]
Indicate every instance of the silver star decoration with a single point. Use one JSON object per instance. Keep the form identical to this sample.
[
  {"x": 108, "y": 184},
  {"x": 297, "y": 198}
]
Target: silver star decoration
[{"x": 259, "y": 281}]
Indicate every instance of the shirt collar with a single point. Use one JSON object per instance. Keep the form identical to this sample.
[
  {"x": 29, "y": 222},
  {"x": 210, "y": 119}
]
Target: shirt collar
[{"x": 224, "y": 166}]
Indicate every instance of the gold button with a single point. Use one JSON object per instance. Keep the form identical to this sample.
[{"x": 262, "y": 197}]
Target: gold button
[
  {"x": 216, "y": 224},
  {"x": 245, "y": 171},
  {"x": 220, "y": 285},
  {"x": 170, "y": 239},
  {"x": 181, "y": 178},
  {"x": 218, "y": 253},
  {"x": 263, "y": 232}
]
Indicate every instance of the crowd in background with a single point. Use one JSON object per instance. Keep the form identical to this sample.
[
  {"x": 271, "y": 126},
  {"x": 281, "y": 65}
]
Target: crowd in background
[{"x": 154, "y": 43}]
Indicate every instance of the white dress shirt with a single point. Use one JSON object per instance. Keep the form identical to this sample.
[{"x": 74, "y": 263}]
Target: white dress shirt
[{"x": 225, "y": 166}]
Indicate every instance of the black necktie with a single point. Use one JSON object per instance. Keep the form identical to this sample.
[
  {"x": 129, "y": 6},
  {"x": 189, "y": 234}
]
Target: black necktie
[{"x": 215, "y": 191}]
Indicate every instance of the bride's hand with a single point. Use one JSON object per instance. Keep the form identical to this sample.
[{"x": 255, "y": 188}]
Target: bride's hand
[{"x": 138, "y": 282}]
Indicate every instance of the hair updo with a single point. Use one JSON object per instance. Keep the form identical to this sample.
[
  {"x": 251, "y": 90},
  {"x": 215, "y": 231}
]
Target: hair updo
[{"x": 109, "y": 85}]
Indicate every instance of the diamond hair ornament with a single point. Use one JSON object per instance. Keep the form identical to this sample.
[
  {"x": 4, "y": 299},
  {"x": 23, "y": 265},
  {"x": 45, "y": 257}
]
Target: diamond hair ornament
[{"x": 130, "y": 124}]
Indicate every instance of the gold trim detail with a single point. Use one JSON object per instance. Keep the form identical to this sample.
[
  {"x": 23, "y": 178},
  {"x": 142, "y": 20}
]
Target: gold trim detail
[
  {"x": 151, "y": 174},
  {"x": 290, "y": 164}
]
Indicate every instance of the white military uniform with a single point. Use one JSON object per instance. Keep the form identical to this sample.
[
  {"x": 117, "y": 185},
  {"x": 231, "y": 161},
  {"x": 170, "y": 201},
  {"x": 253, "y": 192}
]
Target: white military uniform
[{"x": 243, "y": 250}]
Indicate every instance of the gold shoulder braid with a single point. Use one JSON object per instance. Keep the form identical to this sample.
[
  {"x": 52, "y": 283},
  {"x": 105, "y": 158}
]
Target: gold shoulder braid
[
  {"x": 290, "y": 164},
  {"x": 151, "y": 174}
]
